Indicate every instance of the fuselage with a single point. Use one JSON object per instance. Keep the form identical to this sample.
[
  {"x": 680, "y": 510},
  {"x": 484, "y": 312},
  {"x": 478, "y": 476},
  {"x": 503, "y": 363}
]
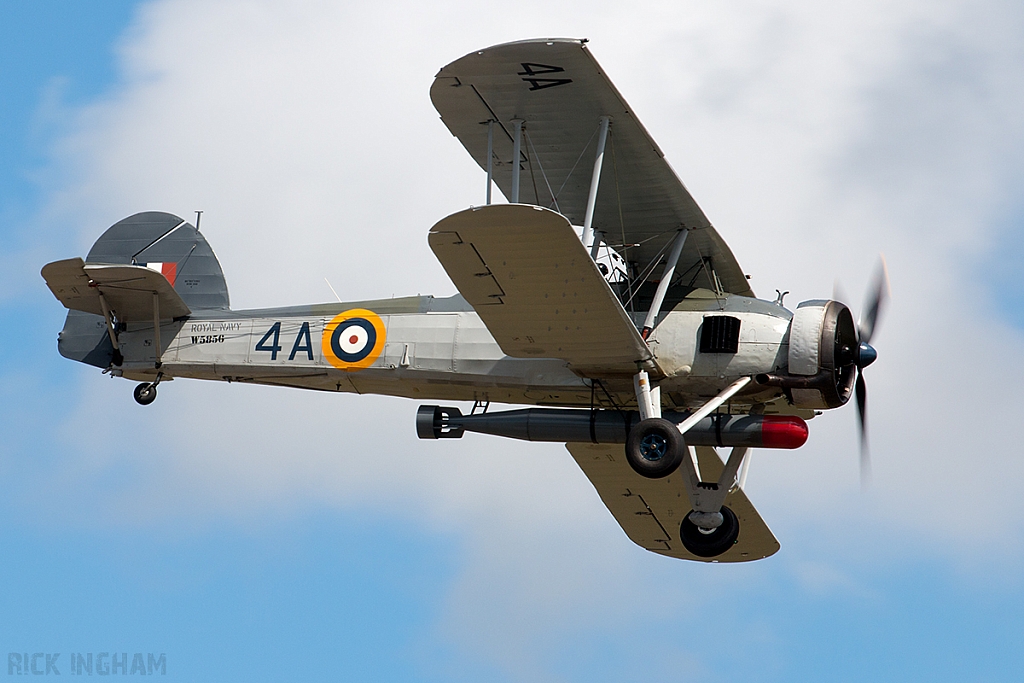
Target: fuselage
[{"x": 439, "y": 349}]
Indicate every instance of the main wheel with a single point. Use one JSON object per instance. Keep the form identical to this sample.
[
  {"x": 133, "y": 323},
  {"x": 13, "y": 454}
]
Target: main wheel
[
  {"x": 710, "y": 542},
  {"x": 145, "y": 394},
  {"x": 654, "y": 448}
]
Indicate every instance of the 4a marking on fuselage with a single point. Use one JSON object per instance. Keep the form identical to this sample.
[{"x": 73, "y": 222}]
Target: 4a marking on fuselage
[{"x": 352, "y": 340}]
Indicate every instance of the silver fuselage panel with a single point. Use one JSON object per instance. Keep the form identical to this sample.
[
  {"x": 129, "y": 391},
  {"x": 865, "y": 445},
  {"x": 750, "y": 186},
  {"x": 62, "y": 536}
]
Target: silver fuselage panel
[{"x": 439, "y": 349}]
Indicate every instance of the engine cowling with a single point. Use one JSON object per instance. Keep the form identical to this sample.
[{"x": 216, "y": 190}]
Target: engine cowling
[{"x": 822, "y": 354}]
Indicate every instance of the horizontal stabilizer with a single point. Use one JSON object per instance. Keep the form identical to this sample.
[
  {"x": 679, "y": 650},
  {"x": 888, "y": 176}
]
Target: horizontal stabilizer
[
  {"x": 650, "y": 511},
  {"x": 130, "y": 291},
  {"x": 525, "y": 271}
]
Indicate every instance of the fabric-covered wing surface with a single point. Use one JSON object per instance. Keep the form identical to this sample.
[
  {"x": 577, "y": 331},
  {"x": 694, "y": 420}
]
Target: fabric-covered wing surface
[
  {"x": 560, "y": 92},
  {"x": 129, "y": 289},
  {"x": 651, "y": 510},
  {"x": 525, "y": 271}
]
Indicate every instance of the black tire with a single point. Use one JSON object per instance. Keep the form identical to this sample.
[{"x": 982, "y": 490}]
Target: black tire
[
  {"x": 711, "y": 544},
  {"x": 145, "y": 394},
  {"x": 654, "y": 448}
]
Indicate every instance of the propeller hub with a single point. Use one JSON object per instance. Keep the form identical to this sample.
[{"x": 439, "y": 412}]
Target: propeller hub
[{"x": 866, "y": 355}]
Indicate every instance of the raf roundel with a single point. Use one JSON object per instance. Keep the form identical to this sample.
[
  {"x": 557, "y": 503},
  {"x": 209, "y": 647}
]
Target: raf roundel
[{"x": 353, "y": 339}]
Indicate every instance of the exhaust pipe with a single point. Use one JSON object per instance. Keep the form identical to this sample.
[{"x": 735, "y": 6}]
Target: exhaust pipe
[
  {"x": 819, "y": 381},
  {"x": 608, "y": 426}
]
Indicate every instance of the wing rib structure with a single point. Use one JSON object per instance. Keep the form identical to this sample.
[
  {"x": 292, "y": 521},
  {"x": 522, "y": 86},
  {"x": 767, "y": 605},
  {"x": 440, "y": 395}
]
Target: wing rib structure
[{"x": 525, "y": 271}]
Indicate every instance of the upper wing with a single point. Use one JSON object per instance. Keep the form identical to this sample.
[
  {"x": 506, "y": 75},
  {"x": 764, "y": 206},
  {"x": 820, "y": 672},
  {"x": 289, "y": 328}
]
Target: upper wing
[
  {"x": 557, "y": 88},
  {"x": 650, "y": 511},
  {"x": 525, "y": 271},
  {"x": 129, "y": 290}
]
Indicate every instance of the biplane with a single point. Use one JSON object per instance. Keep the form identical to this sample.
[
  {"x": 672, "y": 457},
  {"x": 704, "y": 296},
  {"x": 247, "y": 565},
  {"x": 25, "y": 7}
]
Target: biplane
[{"x": 599, "y": 296}]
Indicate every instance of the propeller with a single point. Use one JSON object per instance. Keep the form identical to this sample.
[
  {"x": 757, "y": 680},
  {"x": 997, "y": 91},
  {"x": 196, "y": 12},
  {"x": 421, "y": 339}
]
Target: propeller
[{"x": 865, "y": 355}]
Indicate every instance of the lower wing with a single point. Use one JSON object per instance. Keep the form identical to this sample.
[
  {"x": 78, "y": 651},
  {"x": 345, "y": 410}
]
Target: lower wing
[{"x": 651, "y": 511}]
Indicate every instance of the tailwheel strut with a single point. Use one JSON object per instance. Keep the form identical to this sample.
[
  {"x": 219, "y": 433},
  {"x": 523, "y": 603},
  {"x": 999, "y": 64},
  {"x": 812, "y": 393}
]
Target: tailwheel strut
[{"x": 145, "y": 393}]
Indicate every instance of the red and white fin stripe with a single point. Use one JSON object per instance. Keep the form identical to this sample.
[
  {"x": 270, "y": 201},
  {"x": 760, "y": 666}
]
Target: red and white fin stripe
[{"x": 168, "y": 269}]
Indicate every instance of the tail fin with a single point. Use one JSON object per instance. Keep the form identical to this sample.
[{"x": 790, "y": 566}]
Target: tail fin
[
  {"x": 163, "y": 242},
  {"x": 169, "y": 245}
]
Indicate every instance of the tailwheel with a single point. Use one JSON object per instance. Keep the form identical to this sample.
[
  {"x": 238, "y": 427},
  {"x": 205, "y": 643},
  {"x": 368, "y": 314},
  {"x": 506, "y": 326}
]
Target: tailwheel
[
  {"x": 707, "y": 541},
  {"x": 145, "y": 393},
  {"x": 654, "y": 448}
]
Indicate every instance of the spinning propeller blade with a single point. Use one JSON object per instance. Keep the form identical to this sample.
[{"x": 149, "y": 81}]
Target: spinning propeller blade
[
  {"x": 862, "y": 411},
  {"x": 878, "y": 294},
  {"x": 880, "y": 287}
]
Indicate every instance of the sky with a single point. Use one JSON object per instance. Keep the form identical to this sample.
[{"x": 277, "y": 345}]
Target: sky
[{"x": 253, "y": 533}]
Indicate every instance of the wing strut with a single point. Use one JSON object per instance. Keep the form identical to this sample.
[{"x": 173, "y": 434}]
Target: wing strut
[
  {"x": 156, "y": 329},
  {"x": 666, "y": 279},
  {"x": 118, "y": 358},
  {"x": 589, "y": 240},
  {"x": 517, "y": 144},
  {"x": 490, "y": 158}
]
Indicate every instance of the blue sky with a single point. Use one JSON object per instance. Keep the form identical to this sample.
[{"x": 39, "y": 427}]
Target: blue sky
[
  {"x": 308, "y": 597},
  {"x": 49, "y": 49},
  {"x": 244, "y": 531}
]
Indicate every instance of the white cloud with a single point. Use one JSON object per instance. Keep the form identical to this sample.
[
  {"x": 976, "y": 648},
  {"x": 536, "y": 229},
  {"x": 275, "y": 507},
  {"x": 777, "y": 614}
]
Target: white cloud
[{"x": 813, "y": 135}]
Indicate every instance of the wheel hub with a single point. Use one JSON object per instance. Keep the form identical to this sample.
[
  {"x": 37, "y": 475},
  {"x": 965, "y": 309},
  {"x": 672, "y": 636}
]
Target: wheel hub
[
  {"x": 653, "y": 447},
  {"x": 707, "y": 522}
]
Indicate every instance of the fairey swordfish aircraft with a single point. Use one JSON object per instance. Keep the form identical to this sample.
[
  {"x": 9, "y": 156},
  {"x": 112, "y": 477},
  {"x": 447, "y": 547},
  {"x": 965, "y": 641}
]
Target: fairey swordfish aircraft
[{"x": 600, "y": 291}]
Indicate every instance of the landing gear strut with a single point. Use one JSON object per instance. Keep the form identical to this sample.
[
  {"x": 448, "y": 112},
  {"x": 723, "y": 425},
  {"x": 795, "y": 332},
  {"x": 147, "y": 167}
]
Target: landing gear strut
[{"x": 656, "y": 447}]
